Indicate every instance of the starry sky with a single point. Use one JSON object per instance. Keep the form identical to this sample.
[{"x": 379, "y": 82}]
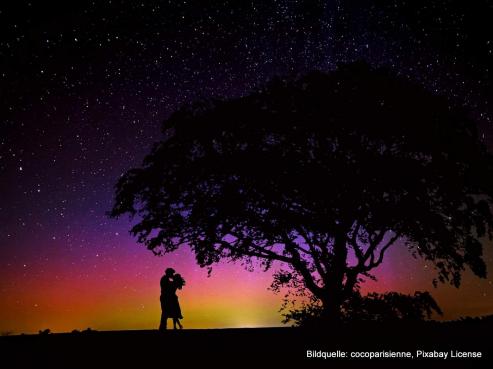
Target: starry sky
[{"x": 84, "y": 88}]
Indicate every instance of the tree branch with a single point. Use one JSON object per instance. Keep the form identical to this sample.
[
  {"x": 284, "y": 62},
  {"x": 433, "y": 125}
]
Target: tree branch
[
  {"x": 259, "y": 252},
  {"x": 301, "y": 267},
  {"x": 362, "y": 268},
  {"x": 383, "y": 249},
  {"x": 315, "y": 255},
  {"x": 354, "y": 244}
]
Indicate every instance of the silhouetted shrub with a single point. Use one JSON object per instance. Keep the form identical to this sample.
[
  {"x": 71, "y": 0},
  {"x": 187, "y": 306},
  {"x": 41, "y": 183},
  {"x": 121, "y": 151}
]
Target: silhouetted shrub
[{"x": 376, "y": 307}]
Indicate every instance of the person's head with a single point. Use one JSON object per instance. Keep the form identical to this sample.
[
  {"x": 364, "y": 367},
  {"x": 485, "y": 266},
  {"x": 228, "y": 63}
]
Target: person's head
[
  {"x": 169, "y": 272},
  {"x": 179, "y": 281}
]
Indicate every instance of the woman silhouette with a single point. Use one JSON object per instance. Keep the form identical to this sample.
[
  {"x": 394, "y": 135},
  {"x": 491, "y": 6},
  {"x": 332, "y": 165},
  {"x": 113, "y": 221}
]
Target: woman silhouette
[
  {"x": 170, "y": 307},
  {"x": 177, "y": 283}
]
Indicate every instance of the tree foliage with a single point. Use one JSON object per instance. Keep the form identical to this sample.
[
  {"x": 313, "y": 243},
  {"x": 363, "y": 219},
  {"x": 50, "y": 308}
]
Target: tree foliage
[{"x": 323, "y": 174}]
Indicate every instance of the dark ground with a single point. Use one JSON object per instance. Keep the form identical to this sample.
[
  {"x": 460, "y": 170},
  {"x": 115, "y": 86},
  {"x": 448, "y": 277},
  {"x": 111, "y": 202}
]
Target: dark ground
[{"x": 285, "y": 347}]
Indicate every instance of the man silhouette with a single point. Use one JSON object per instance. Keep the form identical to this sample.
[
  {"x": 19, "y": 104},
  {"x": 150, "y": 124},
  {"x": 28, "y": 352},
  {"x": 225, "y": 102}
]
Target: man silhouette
[{"x": 166, "y": 294}]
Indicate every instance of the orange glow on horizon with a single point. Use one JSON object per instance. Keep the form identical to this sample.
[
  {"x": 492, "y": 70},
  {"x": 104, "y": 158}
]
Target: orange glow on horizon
[{"x": 104, "y": 297}]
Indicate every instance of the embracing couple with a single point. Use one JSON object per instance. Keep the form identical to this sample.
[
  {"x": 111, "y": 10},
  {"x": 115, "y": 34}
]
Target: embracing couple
[{"x": 170, "y": 307}]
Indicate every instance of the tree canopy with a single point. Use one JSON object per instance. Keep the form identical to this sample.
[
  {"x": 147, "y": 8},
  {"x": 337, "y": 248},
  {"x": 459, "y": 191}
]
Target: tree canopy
[{"x": 322, "y": 173}]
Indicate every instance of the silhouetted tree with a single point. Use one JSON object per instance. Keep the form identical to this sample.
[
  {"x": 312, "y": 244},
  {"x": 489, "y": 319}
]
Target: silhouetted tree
[{"x": 322, "y": 173}]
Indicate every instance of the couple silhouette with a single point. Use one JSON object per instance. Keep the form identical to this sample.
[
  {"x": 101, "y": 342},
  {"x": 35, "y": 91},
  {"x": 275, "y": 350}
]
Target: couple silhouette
[{"x": 170, "y": 307}]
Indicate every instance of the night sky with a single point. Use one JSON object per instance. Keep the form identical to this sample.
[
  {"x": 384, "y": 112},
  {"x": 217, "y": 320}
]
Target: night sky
[{"x": 84, "y": 89}]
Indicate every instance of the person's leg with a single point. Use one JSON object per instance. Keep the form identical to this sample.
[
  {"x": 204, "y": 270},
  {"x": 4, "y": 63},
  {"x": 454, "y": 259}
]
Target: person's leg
[
  {"x": 174, "y": 322},
  {"x": 164, "y": 318},
  {"x": 163, "y": 324}
]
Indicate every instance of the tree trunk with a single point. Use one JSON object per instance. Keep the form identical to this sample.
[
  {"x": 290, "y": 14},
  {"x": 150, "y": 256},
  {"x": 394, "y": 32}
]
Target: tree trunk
[
  {"x": 333, "y": 295},
  {"x": 331, "y": 313}
]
